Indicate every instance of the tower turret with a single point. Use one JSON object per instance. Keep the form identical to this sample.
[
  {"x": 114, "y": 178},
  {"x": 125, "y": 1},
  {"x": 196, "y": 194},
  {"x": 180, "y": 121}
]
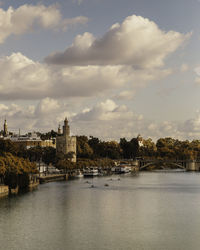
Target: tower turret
[
  {"x": 66, "y": 129},
  {"x": 65, "y": 143}
]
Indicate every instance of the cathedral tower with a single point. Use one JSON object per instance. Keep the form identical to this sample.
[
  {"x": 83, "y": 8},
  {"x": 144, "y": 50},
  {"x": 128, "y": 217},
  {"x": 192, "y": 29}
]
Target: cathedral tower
[{"x": 5, "y": 129}]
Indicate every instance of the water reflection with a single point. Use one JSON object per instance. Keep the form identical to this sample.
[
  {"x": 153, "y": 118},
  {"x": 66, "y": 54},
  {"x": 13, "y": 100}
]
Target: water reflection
[{"x": 149, "y": 211}]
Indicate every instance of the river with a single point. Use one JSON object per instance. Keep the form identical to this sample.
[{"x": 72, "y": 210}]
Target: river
[{"x": 151, "y": 211}]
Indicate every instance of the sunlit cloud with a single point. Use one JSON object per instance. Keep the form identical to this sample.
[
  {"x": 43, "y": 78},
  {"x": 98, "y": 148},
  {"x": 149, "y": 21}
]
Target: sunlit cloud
[
  {"x": 137, "y": 42},
  {"x": 27, "y": 18}
]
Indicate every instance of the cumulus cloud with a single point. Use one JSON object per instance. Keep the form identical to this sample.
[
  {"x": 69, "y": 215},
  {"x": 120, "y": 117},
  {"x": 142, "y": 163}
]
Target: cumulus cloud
[
  {"x": 191, "y": 126},
  {"x": 106, "y": 120},
  {"x": 127, "y": 56},
  {"x": 105, "y": 111},
  {"x": 47, "y": 106},
  {"x": 125, "y": 95},
  {"x": 74, "y": 21},
  {"x": 22, "y": 78},
  {"x": 137, "y": 42},
  {"x": 44, "y": 115},
  {"x": 27, "y": 17}
]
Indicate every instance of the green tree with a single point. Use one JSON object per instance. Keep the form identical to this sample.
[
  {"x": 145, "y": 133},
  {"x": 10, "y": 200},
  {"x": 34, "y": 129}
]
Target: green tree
[
  {"x": 83, "y": 148},
  {"x": 49, "y": 155}
]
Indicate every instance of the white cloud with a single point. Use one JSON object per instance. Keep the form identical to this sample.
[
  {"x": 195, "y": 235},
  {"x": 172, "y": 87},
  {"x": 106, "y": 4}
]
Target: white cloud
[
  {"x": 184, "y": 67},
  {"x": 104, "y": 111},
  {"x": 191, "y": 126},
  {"x": 134, "y": 61},
  {"x": 27, "y": 17},
  {"x": 106, "y": 120},
  {"x": 3, "y": 108},
  {"x": 74, "y": 21},
  {"x": 47, "y": 106},
  {"x": 44, "y": 115},
  {"x": 22, "y": 78},
  {"x": 137, "y": 42},
  {"x": 125, "y": 95}
]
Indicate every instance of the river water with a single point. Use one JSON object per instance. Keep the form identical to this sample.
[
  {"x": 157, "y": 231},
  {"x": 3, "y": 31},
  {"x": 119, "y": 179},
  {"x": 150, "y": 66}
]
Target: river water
[{"x": 151, "y": 211}]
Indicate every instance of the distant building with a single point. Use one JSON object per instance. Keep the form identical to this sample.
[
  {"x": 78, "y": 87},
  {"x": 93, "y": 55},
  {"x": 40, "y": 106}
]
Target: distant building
[
  {"x": 32, "y": 140},
  {"x": 64, "y": 142},
  {"x": 140, "y": 141}
]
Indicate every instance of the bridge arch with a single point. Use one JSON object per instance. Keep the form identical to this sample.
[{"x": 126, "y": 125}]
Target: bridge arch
[{"x": 179, "y": 165}]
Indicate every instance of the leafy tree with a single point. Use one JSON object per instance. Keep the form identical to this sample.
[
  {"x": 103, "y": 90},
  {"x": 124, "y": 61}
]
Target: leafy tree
[
  {"x": 8, "y": 146},
  {"x": 15, "y": 171},
  {"x": 49, "y": 155},
  {"x": 35, "y": 153},
  {"x": 84, "y": 150},
  {"x": 130, "y": 148},
  {"x": 48, "y": 135},
  {"x": 94, "y": 144},
  {"x": 148, "y": 149}
]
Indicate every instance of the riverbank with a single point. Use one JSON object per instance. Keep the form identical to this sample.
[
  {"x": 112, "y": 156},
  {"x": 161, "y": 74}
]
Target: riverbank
[{"x": 52, "y": 177}]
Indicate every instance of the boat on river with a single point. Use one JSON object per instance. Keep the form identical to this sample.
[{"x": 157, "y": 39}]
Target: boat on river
[
  {"x": 122, "y": 169},
  {"x": 79, "y": 174},
  {"x": 91, "y": 172}
]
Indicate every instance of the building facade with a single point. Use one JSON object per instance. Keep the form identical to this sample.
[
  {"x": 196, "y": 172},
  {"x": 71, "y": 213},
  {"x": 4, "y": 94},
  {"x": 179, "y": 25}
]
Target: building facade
[
  {"x": 65, "y": 143},
  {"x": 140, "y": 141},
  {"x": 32, "y": 140},
  {"x": 28, "y": 141}
]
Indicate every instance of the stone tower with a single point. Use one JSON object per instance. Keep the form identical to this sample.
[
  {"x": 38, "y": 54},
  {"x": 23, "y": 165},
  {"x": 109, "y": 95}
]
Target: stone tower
[
  {"x": 5, "y": 129},
  {"x": 66, "y": 129},
  {"x": 65, "y": 143}
]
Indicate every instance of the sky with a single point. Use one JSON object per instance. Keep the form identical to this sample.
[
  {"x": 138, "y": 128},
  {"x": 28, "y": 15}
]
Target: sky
[{"x": 114, "y": 68}]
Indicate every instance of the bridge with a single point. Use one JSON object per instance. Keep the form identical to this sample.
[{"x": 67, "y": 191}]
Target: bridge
[{"x": 187, "y": 165}]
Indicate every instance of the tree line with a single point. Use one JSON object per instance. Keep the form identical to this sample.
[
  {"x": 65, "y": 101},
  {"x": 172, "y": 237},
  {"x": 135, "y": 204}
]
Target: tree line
[
  {"x": 167, "y": 148},
  {"x": 93, "y": 151}
]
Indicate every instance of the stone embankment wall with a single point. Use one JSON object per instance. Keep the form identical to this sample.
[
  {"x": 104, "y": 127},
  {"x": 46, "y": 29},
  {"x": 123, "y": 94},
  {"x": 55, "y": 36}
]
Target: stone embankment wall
[
  {"x": 4, "y": 191},
  {"x": 193, "y": 166},
  {"x": 53, "y": 177}
]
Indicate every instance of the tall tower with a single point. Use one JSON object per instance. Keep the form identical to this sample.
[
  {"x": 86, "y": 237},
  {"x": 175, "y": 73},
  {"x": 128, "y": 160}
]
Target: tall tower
[
  {"x": 66, "y": 129},
  {"x": 65, "y": 143},
  {"x": 5, "y": 129}
]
